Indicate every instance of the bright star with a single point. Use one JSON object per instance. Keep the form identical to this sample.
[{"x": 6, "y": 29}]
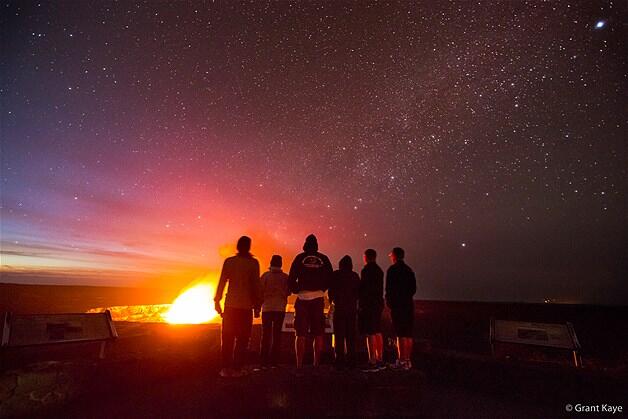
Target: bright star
[{"x": 600, "y": 24}]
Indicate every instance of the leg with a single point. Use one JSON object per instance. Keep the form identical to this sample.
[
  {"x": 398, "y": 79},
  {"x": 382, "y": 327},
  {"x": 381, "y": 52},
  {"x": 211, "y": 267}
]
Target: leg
[
  {"x": 277, "y": 325},
  {"x": 371, "y": 346},
  {"x": 409, "y": 343},
  {"x": 319, "y": 344},
  {"x": 299, "y": 349},
  {"x": 267, "y": 327},
  {"x": 378, "y": 344},
  {"x": 245, "y": 323},
  {"x": 228, "y": 339},
  {"x": 317, "y": 326},
  {"x": 339, "y": 348},
  {"x": 351, "y": 336},
  {"x": 301, "y": 328}
]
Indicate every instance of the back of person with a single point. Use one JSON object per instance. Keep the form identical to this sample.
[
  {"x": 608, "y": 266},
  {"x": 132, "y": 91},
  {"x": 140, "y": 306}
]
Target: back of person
[
  {"x": 344, "y": 287},
  {"x": 310, "y": 270},
  {"x": 372, "y": 287},
  {"x": 242, "y": 273},
  {"x": 400, "y": 285},
  {"x": 275, "y": 290}
]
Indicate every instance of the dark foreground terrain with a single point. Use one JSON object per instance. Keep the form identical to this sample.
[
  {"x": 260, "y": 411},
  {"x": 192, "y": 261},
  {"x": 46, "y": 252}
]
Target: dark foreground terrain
[{"x": 160, "y": 370}]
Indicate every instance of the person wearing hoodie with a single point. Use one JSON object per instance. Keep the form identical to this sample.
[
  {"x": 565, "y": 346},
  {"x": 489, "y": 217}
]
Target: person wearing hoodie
[
  {"x": 343, "y": 293},
  {"x": 400, "y": 289},
  {"x": 275, "y": 292},
  {"x": 242, "y": 301},
  {"x": 309, "y": 277}
]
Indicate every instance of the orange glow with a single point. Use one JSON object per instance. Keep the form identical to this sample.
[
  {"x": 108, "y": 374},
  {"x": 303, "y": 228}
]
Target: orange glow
[{"x": 193, "y": 306}]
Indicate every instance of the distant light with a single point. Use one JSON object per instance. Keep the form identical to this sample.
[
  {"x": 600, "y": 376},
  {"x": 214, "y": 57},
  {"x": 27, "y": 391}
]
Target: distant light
[
  {"x": 463, "y": 244},
  {"x": 600, "y": 24}
]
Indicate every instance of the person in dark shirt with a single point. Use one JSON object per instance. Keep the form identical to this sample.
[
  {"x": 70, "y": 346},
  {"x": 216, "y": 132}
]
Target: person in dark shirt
[
  {"x": 309, "y": 277},
  {"x": 344, "y": 293},
  {"x": 400, "y": 289},
  {"x": 243, "y": 299},
  {"x": 371, "y": 304}
]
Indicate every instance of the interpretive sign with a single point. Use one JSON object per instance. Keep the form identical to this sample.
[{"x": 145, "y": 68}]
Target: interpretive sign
[
  {"x": 554, "y": 335},
  {"x": 46, "y": 329}
]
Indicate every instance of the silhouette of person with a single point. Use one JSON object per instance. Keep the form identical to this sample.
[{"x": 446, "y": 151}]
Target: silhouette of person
[
  {"x": 371, "y": 305},
  {"x": 400, "y": 289},
  {"x": 242, "y": 301},
  {"x": 275, "y": 292},
  {"x": 310, "y": 274},
  {"x": 343, "y": 293}
]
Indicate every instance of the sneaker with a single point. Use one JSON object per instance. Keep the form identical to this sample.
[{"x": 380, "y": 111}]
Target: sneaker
[
  {"x": 371, "y": 368},
  {"x": 380, "y": 365},
  {"x": 397, "y": 365},
  {"x": 238, "y": 372},
  {"x": 226, "y": 373},
  {"x": 406, "y": 365}
]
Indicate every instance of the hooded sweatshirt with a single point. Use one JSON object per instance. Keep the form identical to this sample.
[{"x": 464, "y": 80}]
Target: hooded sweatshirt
[
  {"x": 275, "y": 290},
  {"x": 345, "y": 287},
  {"x": 310, "y": 272}
]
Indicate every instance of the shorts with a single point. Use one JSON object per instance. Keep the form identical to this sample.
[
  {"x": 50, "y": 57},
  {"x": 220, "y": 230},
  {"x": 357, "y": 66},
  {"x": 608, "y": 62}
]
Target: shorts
[
  {"x": 370, "y": 320},
  {"x": 403, "y": 321},
  {"x": 309, "y": 317}
]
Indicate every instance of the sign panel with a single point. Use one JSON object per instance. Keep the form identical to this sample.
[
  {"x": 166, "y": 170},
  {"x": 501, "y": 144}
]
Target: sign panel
[
  {"x": 288, "y": 323},
  {"x": 540, "y": 334},
  {"x": 43, "y": 329}
]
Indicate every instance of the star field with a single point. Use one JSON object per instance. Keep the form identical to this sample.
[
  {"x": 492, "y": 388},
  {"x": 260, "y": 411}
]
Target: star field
[{"x": 487, "y": 139}]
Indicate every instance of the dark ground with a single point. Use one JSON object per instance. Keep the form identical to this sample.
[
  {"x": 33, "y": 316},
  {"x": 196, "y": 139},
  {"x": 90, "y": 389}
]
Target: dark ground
[{"x": 159, "y": 370}]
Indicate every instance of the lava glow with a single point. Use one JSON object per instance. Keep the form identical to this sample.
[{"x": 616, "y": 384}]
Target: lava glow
[{"x": 193, "y": 306}]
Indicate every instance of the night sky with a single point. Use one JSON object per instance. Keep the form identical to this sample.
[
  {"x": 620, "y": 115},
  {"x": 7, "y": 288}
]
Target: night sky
[{"x": 140, "y": 140}]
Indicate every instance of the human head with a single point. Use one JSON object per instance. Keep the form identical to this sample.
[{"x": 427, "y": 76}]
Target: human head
[
  {"x": 370, "y": 255},
  {"x": 397, "y": 254},
  {"x": 345, "y": 264},
  {"x": 276, "y": 261},
  {"x": 244, "y": 245},
  {"x": 311, "y": 244}
]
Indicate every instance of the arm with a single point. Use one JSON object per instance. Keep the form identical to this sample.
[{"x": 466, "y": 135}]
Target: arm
[
  {"x": 293, "y": 286},
  {"x": 412, "y": 284},
  {"x": 329, "y": 271},
  {"x": 331, "y": 292},
  {"x": 388, "y": 288},
  {"x": 362, "y": 287},
  {"x": 286, "y": 288},
  {"x": 379, "y": 285},
  {"x": 258, "y": 297},
  {"x": 224, "y": 277}
]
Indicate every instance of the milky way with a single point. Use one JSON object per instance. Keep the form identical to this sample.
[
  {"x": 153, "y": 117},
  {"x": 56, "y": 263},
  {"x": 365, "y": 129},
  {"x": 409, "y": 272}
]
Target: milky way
[{"x": 487, "y": 139}]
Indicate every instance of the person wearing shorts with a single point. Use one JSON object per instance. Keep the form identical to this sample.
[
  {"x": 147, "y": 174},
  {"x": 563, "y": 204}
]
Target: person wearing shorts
[
  {"x": 309, "y": 278},
  {"x": 371, "y": 304},
  {"x": 344, "y": 292},
  {"x": 400, "y": 290}
]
